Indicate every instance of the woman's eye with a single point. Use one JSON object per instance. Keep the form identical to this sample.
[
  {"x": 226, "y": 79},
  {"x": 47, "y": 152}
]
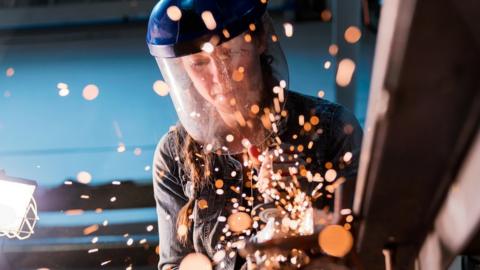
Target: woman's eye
[{"x": 199, "y": 63}]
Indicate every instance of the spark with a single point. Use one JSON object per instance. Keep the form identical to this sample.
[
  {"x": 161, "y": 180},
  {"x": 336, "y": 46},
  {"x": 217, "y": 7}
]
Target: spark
[
  {"x": 105, "y": 262},
  {"x": 10, "y": 72},
  {"x": 346, "y": 67},
  {"x": 174, "y": 13},
  {"x": 347, "y": 157},
  {"x": 209, "y": 20},
  {"x": 93, "y": 250},
  {"x": 90, "y": 92},
  {"x": 208, "y": 47},
  {"x": 333, "y": 49},
  {"x": 84, "y": 177},
  {"x": 161, "y": 88},
  {"x": 288, "y": 27},
  {"x": 352, "y": 34}
]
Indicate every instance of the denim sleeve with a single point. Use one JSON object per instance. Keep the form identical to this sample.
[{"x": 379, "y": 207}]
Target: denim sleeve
[
  {"x": 346, "y": 136},
  {"x": 170, "y": 198}
]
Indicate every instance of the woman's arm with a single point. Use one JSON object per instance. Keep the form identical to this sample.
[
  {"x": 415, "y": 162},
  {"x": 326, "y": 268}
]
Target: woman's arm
[{"x": 170, "y": 198}]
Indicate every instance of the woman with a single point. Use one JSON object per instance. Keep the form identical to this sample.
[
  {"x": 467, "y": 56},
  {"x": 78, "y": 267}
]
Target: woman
[{"x": 246, "y": 149}]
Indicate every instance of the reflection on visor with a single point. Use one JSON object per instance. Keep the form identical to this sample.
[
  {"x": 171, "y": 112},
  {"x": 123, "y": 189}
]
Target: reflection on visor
[{"x": 229, "y": 93}]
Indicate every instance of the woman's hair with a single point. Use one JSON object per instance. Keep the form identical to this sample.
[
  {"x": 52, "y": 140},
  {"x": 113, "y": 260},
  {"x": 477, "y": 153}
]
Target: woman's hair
[{"x": 197, "y": 162}]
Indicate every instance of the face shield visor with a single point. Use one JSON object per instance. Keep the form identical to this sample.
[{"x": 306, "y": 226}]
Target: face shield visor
[{"x": 230, "y": 95}]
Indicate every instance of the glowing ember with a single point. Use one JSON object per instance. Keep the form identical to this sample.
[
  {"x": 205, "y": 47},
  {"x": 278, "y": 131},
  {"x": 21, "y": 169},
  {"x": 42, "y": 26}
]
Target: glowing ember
[
  {"x": 84, "y": 177},
  {"x": 113, "y": 199},
  {"x": 208, "y": 19},
  {"x": 219, "y": 183},
  {"x": 352, "y": 34},
  {"x": 121, "y": 148},
  {"x": 129, "y": 242},
  {"x": 346, "y": 67},
  {"x": 174, "y": 13},
  {"x": 321, "y": 94},
  {"x": 255, "y": 109},
  {"x": 149, "y": 228},
  {"x": 90, "y": 229},
  {"x": 226, "y": 34},
  {"x": 335, "y": 240},
  {"x": 137, "y": 151},
  {"x": 333, "y": 49},
  {"x": 106, "y": 262},
  {"x": 195, "y": 261},
  {"x": 330, "y": 175},
  {"x": 74, "y": 212},
  {"x": 93, "y": 250},
  {"x": 326, "y": 15},
  {"x": 90, "y": 92},
  {"x": 327, "y": 64},
  {"x": 10, "y": 72},
  {"x": 208, "y": 47},
  {"x": 288, "y": 27},
  {"x": 63, "y": 92},
  {"x": 347, "y": 157},
  {"x": 229, "y": 138},
  {"x": 62, "y": 85},
  {"x": 314, "y": 120},
  {"x": 161, "y": 88},
  {"x": 202, "y": 204},
  {"x": 252, "y": 27},
  {"x": 239, "y": 222}
]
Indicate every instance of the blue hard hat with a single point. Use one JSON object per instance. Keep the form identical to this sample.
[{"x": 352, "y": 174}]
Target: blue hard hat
[{"x": 173, "y": 38}]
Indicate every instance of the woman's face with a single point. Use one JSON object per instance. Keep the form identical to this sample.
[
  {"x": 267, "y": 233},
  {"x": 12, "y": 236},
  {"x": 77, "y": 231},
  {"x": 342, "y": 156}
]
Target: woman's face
[{"x": 229, "y": 77}]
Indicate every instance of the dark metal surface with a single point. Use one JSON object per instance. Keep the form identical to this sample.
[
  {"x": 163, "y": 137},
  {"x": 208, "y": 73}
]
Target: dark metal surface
[{"x": 433, "y": 111}]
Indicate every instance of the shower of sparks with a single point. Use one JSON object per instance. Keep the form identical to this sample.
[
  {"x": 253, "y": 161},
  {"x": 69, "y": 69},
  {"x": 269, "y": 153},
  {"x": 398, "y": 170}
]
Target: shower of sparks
[
  {"x": 209, "y": 20},
  {"x": 352, "y": 34},
  {"x": 288, "y": 27},
  {"x": 84, "y": 177},
  {"x": 90, "y": 92},
  {"x": 174, "y": 13},
  {"x": 10, "y": 72},
  {"x": 346, "y": 67},
  {"x": 161, "y": 88}
]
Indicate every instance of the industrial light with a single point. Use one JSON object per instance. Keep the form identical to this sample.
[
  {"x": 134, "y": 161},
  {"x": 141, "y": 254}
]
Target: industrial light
[{"x": 18, "y": 209}]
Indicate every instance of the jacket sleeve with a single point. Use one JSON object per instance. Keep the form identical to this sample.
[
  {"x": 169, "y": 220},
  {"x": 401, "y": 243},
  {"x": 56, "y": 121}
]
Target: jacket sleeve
[
  {"x": 170, "y": 198},
  {"x": 346, "y": 137}
]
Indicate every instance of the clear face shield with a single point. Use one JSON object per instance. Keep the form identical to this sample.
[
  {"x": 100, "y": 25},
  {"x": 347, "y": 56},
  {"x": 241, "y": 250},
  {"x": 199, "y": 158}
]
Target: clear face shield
[{"x": 230, "y": 95}]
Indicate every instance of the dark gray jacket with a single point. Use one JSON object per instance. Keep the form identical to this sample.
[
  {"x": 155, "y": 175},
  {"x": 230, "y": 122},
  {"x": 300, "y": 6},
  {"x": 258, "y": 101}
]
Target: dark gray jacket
[{"x": 337, "y": 132}]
